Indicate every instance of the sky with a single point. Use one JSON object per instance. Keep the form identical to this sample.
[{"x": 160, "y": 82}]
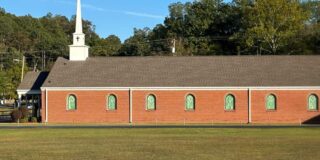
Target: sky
[{"x": 117, "y": 17}]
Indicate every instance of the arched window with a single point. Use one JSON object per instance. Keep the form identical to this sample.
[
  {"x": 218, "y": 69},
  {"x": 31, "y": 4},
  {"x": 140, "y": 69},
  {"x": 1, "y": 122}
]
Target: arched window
[
  {"x": 313, "y": 102},
  {"x": 229, "y": 102},
  {"x": 72, "y": 102},
  {"x": 112, "y": 102},
  {"x": 271, "y": 102},
  {"x": 190, "y": 102},
  {"x": 151, "y": 102}
]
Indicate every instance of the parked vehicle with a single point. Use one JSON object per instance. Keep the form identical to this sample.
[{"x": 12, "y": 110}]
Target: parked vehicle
[{"x": 29, "y": 106}]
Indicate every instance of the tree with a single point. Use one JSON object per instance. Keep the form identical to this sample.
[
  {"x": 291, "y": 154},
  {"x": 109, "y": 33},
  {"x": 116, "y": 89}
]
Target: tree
[
  {"x": 3, "y": 83},
  {"x": 2, "y": 11},
  {"x": 273, "y": 23},
  {"x": 109, "y": 46},
  {"x": 138, "y": 44},
  {"x": 203, "y": 27}
]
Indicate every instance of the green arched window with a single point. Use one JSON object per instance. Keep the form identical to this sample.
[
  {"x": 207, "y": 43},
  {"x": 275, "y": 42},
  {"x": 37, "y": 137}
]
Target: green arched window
[
  {"x": 190, "y": 102},
  {"x": 271, "y": 102},
  {"x": 72, "y": 102},
  {"x": 112, "y": 102},
  {"x": 151, "y": 102},
  {"x": 313, "y": 102},
  {"x": 229, "y": 103}
]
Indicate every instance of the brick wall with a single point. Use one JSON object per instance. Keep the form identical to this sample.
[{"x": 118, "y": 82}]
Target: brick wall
[
  {"x": 209, "y": 107},
  {"x": 91, "y": 107},
  {"x": 292, "y": 107}
]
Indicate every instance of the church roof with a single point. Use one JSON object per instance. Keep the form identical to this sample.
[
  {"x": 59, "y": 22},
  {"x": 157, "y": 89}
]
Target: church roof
[
  {"x": 33, "y": 81},
  {"x": 207, "y": 71}
]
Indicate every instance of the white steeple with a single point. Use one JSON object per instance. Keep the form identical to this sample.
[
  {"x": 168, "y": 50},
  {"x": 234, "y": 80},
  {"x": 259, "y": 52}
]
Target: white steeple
[
  {"x": 79, "y": 18},
  {"x": 78, "y": 50}
]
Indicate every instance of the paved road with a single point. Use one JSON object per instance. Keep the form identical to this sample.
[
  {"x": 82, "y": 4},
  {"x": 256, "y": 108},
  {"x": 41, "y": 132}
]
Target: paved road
[{"x": 150, "y": 126}]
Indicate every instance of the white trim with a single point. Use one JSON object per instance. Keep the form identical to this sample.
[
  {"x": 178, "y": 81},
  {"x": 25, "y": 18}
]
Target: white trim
[
  {"x": 85, "y": 88},
  {"x": 284, "y": 88},
  {"x": 23, "y": 92},
  {"x": 130, "y": 106},
  {"x": 249, "y": 107},
  {"x": 178, "y": 88},
  {"x": 46, "y": 106}
]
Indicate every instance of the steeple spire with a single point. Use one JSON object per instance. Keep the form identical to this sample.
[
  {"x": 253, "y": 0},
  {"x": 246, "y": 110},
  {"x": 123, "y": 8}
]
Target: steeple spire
[
  {"x": 79, "y": 18},
  {"x": 78, "y": 50}
]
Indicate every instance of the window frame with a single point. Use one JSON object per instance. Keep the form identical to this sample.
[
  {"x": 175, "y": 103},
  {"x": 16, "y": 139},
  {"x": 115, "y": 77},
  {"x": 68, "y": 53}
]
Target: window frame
[
  {"x": 76, "y": 102},
  {"x": 308, "y": 103},
  {"x": 147, "y": 102},
  {"x": 275, "y": 103},
  {"x": 194, "y": 102},
  {"x": 108, "y": 102},
  {"x": 234, "y": 102}
]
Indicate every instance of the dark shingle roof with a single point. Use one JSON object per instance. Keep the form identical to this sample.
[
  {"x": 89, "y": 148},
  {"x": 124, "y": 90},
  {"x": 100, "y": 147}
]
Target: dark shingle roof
[
  {"x": 218, "y": 71},
  {"x": 33, "y": 80}
]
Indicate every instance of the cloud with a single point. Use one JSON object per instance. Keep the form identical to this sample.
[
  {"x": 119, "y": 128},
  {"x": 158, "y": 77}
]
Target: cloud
[
  {"x": 131, "y": 13},
  {"x": 143, "y": 15},
  {"x": 88, "y": 6}
]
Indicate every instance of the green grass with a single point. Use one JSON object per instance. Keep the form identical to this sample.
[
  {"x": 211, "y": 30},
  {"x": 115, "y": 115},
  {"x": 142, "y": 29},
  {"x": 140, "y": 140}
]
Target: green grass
[{"x": 164, "y": 144}]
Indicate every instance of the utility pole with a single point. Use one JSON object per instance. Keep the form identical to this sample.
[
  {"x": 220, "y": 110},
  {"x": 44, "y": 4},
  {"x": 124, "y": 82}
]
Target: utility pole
[
  {"x": 22, "y": 71},
  {"x": 35, "y": 64},
  {"x": 1, "y": 62},
  {"x": 43, "y": 60},
  {"x": 42, "y": 66}
]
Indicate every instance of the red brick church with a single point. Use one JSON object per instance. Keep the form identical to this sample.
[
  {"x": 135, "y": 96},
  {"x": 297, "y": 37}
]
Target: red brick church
[{"x": 220, "y": 89}]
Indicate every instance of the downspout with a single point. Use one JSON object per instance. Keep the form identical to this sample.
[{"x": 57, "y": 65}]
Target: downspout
[
  {"x": 249, "y": 106},
  {"x": 46, "y": 106},
  {"x": 130, "y": 105}
]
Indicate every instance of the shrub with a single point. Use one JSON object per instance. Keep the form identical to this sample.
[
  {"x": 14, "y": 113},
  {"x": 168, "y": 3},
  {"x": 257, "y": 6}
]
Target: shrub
[
  {"x": 24, "y": 120},
  {"x": 34, "y": 120},
  {"x": 16, "y": 115},
  {"x": 24, "y": 112},
  {"x": 21, "y": 114}
]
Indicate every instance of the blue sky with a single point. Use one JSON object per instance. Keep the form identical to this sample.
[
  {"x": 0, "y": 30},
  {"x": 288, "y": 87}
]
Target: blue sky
[{"x": 117, "y": 17}]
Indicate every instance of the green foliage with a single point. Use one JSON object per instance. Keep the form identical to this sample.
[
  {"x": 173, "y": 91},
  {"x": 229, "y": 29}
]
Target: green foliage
[
  {"x": 24, "y": 120},
  {"x": 272, "y": 24},
  {"x": 30, "y": 36},
  {"x": 106, "y": 47},
  {"x": 34, "y": 119},
  {"x": 24, "y": 112},
  {"x": 138, "y": 44},
  {"x": 21, "y": 114},
  {"x": 203, "y": 27},
  {"x": 16, "y": 115}
]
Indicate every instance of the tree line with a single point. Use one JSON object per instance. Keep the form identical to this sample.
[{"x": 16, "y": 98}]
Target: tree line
[{"x": 202, "y": 27}]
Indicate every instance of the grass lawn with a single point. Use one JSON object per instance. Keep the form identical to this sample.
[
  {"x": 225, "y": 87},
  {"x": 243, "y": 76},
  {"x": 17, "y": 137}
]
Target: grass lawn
[{"x": 171, "y": 143}]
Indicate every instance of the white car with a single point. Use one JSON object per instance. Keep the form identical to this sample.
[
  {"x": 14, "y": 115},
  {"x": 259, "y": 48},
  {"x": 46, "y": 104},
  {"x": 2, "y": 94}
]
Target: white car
[{"x": 29, "y": 106}]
